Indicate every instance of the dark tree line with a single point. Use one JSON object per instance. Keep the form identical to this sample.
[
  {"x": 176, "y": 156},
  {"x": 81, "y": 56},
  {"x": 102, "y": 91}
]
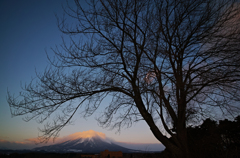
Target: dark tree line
[
  {"x": 168, "y": 62},
  {"x": 212, "y": 139}
]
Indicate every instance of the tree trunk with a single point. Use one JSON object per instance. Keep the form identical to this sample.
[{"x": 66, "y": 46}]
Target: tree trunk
[
  {"x": 181, "y": 143},
  {"x": 183, "y": 152}
]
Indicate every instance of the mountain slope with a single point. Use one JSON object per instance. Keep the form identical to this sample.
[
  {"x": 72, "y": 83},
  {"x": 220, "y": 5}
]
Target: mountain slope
[{"x": 94, "y": 144}]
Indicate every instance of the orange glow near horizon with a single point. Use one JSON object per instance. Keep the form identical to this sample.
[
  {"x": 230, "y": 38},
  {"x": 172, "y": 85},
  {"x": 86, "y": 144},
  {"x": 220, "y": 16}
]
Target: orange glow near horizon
[
  {"x": 84, "y": 134},
  {"x": 34, "y": 142},
  {"x": 16, "y": 142}
]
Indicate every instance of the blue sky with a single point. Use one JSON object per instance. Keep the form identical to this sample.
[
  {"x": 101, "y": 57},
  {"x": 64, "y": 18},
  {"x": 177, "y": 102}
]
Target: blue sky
[{"x": 27, "y": 29}]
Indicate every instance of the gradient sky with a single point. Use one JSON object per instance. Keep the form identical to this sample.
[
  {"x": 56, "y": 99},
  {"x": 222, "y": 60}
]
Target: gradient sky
[{"x": 27, "y": 29}]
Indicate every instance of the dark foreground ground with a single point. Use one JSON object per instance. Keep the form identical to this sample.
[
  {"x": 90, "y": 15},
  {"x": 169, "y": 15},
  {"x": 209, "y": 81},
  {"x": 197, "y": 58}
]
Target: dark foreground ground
[
  {"x": 163, "y": 154},
  {"x": 73, "y": 155}
]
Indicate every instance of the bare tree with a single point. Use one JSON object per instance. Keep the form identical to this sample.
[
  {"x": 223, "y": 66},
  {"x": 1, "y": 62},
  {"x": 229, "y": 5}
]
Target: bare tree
[{"x": 168, "y": 62}]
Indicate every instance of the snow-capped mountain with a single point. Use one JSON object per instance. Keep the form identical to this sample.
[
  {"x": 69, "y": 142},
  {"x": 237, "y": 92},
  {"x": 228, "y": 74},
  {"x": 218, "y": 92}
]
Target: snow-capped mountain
[{"x": 90, "y": 142}]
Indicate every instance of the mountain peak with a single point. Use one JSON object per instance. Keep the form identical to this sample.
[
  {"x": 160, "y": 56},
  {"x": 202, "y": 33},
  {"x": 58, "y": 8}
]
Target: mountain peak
[
  {"x": 85, "y": 142},
  {"x": 87, "y": 134}
]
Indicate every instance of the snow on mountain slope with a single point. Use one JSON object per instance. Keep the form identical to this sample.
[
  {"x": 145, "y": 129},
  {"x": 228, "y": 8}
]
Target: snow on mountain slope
[{"x": 85, "y": 142}]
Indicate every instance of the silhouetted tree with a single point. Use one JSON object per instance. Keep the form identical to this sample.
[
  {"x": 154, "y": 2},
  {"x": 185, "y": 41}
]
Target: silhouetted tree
[
  {"x": 215, "y": 140},
  {"x": 168, "y": 62},
  {"x": 230, "y": 133},
  {"x": 205, "y": 140}
]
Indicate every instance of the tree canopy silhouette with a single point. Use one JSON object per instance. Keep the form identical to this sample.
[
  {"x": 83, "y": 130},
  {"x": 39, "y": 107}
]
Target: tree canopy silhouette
[
  {"x": 212, "y": 139},
  {"x": 167, "y": 62}
]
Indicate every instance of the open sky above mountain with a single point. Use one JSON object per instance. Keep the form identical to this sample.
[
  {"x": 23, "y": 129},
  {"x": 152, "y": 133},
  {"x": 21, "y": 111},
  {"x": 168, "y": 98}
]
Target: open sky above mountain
[{"x": 27, "y": 29}]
